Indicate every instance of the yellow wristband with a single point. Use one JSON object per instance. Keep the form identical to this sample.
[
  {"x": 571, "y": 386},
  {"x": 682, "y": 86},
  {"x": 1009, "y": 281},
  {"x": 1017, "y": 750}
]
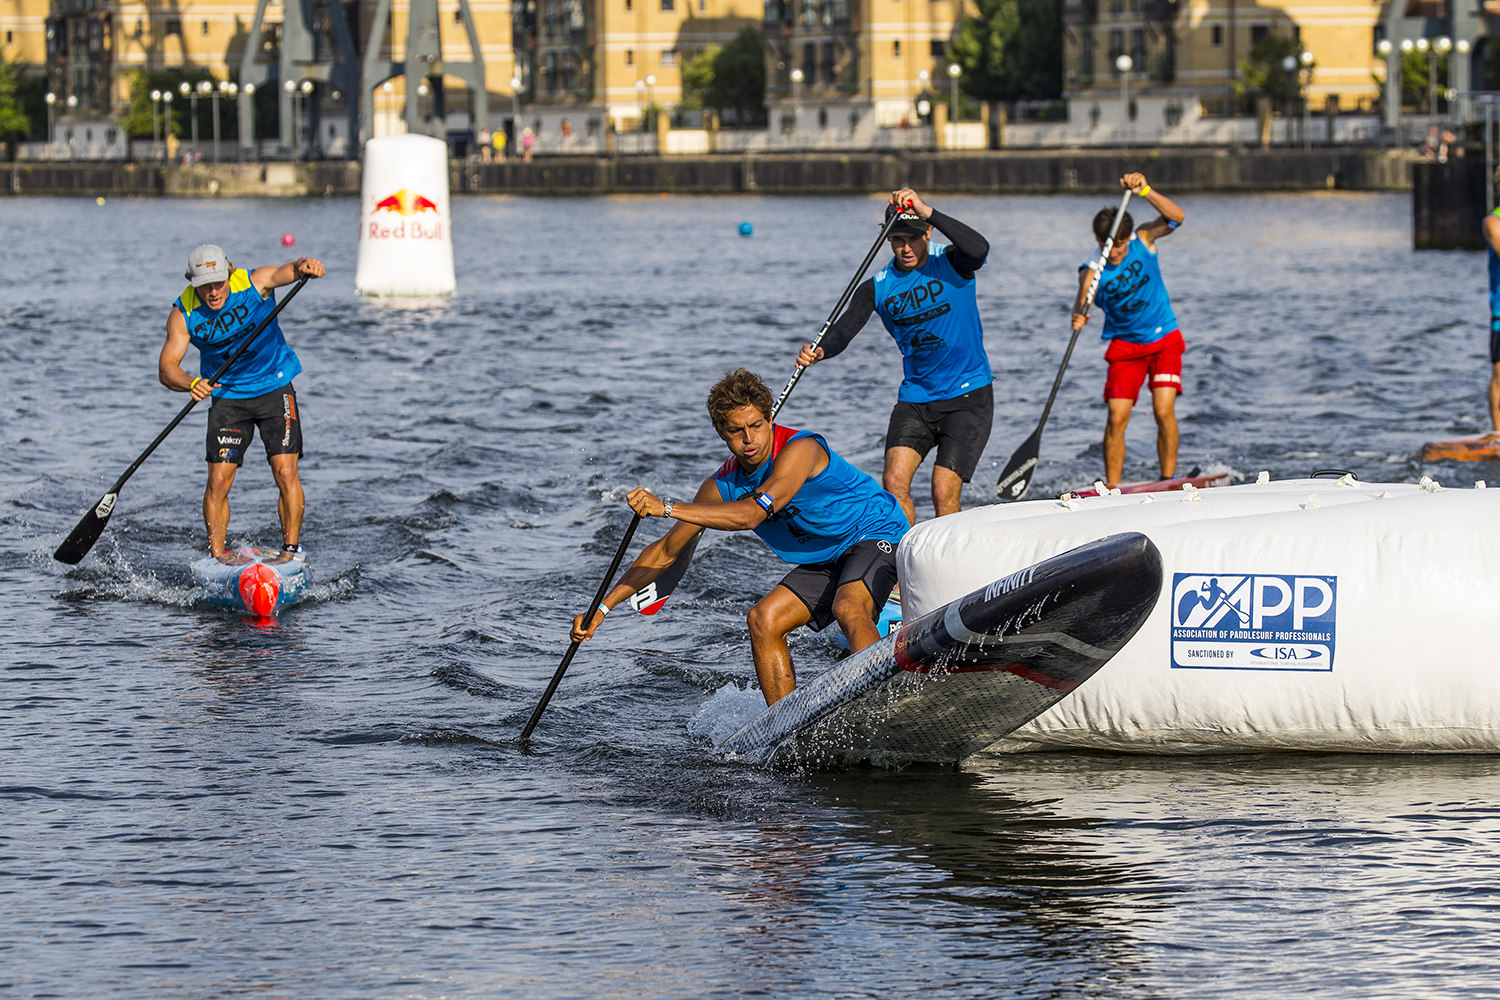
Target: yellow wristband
[
  {"x": 1145, "y": 190},
  {"x": 194, "y": 382}
]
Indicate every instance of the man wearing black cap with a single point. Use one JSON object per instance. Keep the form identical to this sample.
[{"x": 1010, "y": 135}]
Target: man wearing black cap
[
  {"x": 925, "y": 298},
  {"x": 215, "y": 312}
]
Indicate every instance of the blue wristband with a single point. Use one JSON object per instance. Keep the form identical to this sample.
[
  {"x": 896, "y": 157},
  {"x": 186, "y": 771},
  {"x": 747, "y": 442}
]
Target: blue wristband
[{"x": 762, "y": 501}]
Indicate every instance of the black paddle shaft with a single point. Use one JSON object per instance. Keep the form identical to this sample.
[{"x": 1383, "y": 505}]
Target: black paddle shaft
[
  {"x": 1016, "y": 477},
  {"x": 88, "y": 530},
  {"x": 588, "y": 616}
]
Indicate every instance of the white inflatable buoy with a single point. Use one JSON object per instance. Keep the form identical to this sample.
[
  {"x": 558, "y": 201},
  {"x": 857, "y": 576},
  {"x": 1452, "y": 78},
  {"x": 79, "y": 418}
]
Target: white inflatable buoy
[
  {"x": 1358, "y": 619},
  {"x": 405, "y": 236}
]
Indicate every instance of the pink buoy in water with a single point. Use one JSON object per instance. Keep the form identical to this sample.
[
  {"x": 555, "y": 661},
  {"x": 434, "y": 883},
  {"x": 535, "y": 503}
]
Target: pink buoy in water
[{"x": 287, "y": 239}]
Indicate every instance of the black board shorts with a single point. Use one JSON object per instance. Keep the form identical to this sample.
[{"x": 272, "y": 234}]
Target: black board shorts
[
  {"x": 872, "y": 562},
  {"x": 1495, "y": 340},
  {"x": 960, "y": 427},
  {"x": 232, "y": 423}
]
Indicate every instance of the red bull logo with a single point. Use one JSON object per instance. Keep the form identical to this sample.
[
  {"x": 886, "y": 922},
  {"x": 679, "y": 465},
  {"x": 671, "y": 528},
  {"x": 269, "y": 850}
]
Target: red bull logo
[{"x": 405, "y": 202}]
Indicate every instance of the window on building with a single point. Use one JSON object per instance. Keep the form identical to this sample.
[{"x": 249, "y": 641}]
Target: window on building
[
  {"x": 702, "y": 6},
  {"x": 1259, "y": 32},
  {"x": 1138, "y": 49},
  {"x": 9, "y": 38},
  {"x": 1218, "y": 36},
  {"x": 458, "y": 16},
  {"x": 629, "y": 57},
  {"x": 810, "y": 62},
  {"x": 668, "y": 57},
  {"x": 628, "y": 6},
  {"x": 896, "y": 49},
  {"x": 205, "y": 27},
  {"x": 667, "y": 4},
  {"x": 1116, "y": 45},
  {"x": 1086, "y": 57},
  {"x": 830, "y": 69},
  {"x": 174, "y": 26},
  {"x": 938, "y": 48}
]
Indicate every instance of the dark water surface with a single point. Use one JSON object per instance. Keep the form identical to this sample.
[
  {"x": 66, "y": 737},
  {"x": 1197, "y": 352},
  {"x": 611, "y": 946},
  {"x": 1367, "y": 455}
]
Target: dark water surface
[{"x": 195, "y": 805}]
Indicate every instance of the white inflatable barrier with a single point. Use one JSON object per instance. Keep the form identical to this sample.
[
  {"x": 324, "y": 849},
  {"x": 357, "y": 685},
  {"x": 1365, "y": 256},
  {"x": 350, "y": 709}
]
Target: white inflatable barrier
[
  {"x": 405, "y": 235},
  {"x": 1296, "y": 615}
]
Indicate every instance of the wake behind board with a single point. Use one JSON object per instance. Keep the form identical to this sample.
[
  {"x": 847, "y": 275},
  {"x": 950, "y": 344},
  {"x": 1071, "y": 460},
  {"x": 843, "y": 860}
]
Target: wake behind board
[
  {"x": 253, "y": 581},
  {"x": 1193, "y": 479},
  {"x": 1484, "y": 449},
  {"x": 956, "y": 680}
]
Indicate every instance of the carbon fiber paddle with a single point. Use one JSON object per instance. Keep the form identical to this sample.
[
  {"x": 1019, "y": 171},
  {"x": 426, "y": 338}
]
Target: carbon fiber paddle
[
  {"x": 88, "y": 530},
  {"x": 1015, "y": 478}
]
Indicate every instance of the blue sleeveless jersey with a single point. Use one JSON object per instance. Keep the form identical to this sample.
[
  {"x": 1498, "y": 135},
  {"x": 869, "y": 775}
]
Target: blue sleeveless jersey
[
  {"x": 931, "y": 313},
  {"x": 268, "y": 363},
  {"x": 831, "y": 512},
  {"x": 1136, "y": 306},
  {"x": 1494, "y": 274}
]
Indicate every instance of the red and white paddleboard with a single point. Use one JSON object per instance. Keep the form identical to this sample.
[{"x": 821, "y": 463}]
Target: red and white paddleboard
[
  {"x": 1195, "y": 480},
  {"x": 1482, "y": 449}
]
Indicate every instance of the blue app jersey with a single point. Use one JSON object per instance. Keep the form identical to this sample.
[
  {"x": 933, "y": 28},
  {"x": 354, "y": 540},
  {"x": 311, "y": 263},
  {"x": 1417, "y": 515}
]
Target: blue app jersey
[
  {"x": 931, "y": 313},
  {"x": 1494, "y": 274},
  {"x": 1137, "y": 308},
  {"x": 831, "y": 512},
  {"x": 268, "y": 363}
]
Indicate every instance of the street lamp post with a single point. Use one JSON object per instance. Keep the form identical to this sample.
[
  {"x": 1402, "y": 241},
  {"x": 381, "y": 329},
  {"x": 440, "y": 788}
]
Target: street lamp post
[
  {"x": 640, "y": 100},
  {"x": 186, "y": 89},
  {"x": 249, "y": 92},
  {"x": 290, "y": 86},
  {"x": 1441, "y": 46},
  {"x": 1293, "y": 79},
  {"x": 515, "y": 113},
  {"x": 1306, "y": 58},
  {"x": 1462, "y": 48},
  {"x": 796, "y": 100},
  {"x": 650, "y": 100},
  {"x": 1392, "y": 76},
  {"x": 155, "y": 100},
  {"x": 51, "y": 102},
  {"x": 206, "y": 87},
  {"x": 1124, "y": 64},
  {"x": 166, "y": 120},
  {"x": 954, "y": 72}
]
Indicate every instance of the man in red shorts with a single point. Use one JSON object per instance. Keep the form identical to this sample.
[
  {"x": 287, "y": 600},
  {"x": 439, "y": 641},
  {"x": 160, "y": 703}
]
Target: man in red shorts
[{"x": 1144, "y": 341}]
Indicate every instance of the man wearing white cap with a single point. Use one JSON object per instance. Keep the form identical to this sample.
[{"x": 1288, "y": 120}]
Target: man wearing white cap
[{"x": 219, "y": 307}]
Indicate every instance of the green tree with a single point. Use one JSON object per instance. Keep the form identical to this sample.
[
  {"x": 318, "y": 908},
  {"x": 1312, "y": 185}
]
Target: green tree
[
  {"x": 1415, "y": 90},
  {"x": 698, "y": 77},
  {"x": 738, "y": 83},
  {"x": 1013, "y": 50},
  {"x": 1263, "y": 73},
  {"x": 14, "y": 122}
]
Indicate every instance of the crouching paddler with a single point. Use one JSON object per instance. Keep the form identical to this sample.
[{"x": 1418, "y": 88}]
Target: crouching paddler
[
  {"x": 219, "y": 307},
  {"x": 813, "y": 508}
]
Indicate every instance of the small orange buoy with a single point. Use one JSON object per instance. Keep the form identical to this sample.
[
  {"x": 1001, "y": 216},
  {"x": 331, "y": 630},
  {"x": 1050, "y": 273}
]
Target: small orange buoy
[
  {"x": 259, "y": 589},
  {"x": 287, "y": 239}
]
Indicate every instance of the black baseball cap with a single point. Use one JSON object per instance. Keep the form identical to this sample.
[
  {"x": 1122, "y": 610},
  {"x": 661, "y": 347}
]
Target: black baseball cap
[{"x": 910, "y": 223}]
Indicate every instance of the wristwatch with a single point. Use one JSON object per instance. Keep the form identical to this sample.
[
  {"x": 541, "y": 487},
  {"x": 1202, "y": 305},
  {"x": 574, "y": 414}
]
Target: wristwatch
[{"x": 667, "y": 503}]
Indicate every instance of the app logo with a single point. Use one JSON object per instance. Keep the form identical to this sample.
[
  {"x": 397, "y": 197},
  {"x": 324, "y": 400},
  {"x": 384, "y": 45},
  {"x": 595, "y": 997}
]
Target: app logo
[
  {"x": 405, "y": 202},
  {"x": 1258, "y": 621}
]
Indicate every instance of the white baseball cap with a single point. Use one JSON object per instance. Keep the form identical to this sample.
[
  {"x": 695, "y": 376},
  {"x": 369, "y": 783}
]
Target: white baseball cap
[{"x": 206, "y": 265}]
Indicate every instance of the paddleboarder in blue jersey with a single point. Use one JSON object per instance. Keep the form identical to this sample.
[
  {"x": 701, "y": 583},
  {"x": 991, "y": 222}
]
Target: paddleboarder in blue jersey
[
  {"x": 1492, "y": 238},
  {"x": 814, "y": 509},
  {"x": 220, "y": 306},
  {"x": 925, "y": 298},
  {"x": 1144, "y": 339}
]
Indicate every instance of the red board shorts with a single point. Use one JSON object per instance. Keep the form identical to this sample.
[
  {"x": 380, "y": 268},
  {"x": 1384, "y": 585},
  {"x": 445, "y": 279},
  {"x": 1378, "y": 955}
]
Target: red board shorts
[{"x": 1129, "y": 364}]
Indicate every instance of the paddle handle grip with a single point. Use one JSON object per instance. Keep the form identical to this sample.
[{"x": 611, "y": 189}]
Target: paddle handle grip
[{"x": 599, "y": 596}]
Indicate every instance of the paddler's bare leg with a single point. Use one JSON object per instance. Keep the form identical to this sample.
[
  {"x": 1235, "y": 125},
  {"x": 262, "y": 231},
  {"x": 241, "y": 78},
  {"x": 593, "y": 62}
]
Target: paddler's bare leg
[
  {"x": 770, "y": 622},
  {"x": 216, "y": 504},
  {"x": 947, "y": 490},
  {"x": 855, "y": 610},
  {"x": 1114, "y": 439},
  {"x": 900, "y": 467},
  {"x": 291, "y": 503},
  {"x": 1494, "y": 400},
  {"x": 1163, "y": 406}
]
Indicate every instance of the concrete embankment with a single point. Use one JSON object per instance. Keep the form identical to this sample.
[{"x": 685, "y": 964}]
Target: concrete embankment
[{"x": 996, "y": 172}]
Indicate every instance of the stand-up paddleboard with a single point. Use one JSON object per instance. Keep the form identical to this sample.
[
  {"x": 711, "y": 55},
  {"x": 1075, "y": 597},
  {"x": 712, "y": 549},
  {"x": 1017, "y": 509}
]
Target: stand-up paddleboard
[
  {"x": 1484, "y": 449},
  {"x": 958, "y": 679},
  {"x": 254, "y": 581},
  {"x": 1193, "y": 479}
]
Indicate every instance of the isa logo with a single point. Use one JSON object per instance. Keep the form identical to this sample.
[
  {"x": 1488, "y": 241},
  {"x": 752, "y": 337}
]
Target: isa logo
[{"x": 1258, "y": 621}]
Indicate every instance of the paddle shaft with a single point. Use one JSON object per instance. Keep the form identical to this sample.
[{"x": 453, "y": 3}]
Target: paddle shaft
[
  {"x": 562, "y": 667},
  {"x": 94, "y": 514},
  {"x": 885, "y": 231}
]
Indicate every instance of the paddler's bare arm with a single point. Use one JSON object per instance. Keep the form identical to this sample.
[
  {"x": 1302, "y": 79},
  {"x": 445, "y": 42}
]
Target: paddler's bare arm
[
  {"x": 1171, "y": 214},
  {"x": 653, "y": 561},
  {"x": 1492, "y": 231},
  {"x": 267, "y": 277},
  {"x": 797, "y": 463},
  {"x": 1085, "y": 279},
  {"x": 169, "y": 366}
]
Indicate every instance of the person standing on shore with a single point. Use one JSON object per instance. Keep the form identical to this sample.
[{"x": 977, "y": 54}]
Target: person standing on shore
[
  {"x": 219, "y": 306},
  {"x": 813, "y": 508},
  {"x": 925, "y": 298},
  {"x": 1144, "y": 339},
  {"x": 1492, "y": 240}
]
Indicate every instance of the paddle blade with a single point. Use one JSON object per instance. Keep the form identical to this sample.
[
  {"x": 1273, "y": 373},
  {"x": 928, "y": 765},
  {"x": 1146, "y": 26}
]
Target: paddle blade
[
  {"x": 649, "y": 599},
  {"x": 1015, "y": 480},
  {"x": 77, "y": 545}
]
